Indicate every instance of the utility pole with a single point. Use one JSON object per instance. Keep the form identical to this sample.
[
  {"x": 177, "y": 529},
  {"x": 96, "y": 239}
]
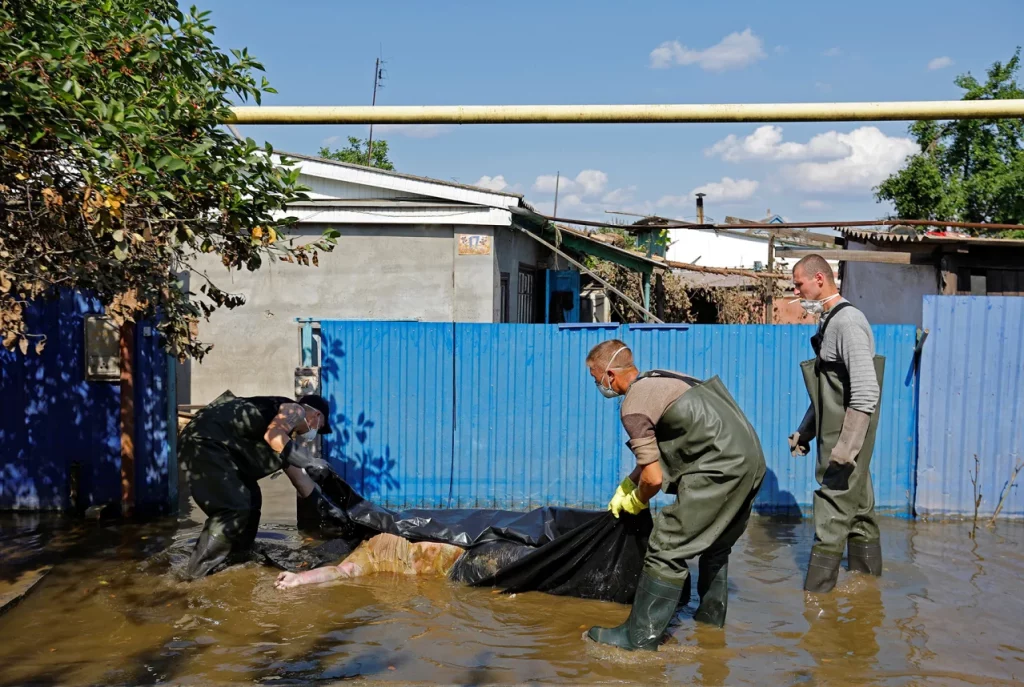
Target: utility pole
[
  {"x": 700, "y": 208},
  {"x": 378, "y": 76},
  {"x": 558, "y": 178}
]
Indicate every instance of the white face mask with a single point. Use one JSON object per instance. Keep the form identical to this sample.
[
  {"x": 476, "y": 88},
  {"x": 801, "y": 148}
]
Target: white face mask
[
  {"x": 309, "y": 434},
  {"x": 816, "y": 307},
  {"x": 606, "y": 391}
]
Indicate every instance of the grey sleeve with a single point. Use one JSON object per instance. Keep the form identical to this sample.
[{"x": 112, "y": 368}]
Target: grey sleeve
[{"x": 857, "y": 353}]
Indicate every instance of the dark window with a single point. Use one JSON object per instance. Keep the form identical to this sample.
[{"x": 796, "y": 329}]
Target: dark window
[
  {"x": 526, "y": 301},
  {"x": 504, "y": 297},
  {"x": 991, "y": 282}
]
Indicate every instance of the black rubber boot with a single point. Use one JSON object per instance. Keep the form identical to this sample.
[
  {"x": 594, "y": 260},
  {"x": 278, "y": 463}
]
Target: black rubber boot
[
  {"x": 822, "y": 572},
  {"x": 864, "y": 556},
  {"x": 713, "y": 589},
  {"x": 211, "y": 550},
  {"x": 652, "y": 610}
]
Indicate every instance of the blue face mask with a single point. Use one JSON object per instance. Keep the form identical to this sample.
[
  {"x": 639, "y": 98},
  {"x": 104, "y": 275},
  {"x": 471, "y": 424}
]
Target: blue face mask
[{"x": 606, "y": 391}]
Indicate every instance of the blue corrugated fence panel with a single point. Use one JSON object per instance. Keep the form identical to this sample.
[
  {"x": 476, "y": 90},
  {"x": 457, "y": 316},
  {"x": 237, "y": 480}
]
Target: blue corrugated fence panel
[
  {"x": 528, "y": 427},
  {"x": 390, "y": 385},
  {"x": 155, "y": 465},
  {"x": 972, "y": 404}
]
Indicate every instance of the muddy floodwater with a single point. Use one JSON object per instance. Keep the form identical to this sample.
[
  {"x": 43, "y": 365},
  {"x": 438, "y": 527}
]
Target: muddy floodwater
[{"x": 948, "y": 611}]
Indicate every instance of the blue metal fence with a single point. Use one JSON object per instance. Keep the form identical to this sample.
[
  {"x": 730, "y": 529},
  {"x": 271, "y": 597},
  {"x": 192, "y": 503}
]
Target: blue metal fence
[
  {"x": 485, "y": 415},
  {"x": 54, "y": 424},
  {"x": 972, "y": 404}
]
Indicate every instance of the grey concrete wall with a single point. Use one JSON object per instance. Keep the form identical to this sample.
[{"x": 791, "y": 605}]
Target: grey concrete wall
[
  {"x": 888, "y": 294},
  {"x": 513, "y": 248},
  {"x": 474, "y": 279},
  {"x": 376, "y": 272}
]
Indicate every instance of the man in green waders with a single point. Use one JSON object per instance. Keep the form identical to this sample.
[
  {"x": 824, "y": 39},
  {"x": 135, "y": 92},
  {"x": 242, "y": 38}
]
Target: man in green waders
[
  {"x": 843, "y": 380},
  {"x": 690, "y": 439},
  {"x": 228, "y": 446}
]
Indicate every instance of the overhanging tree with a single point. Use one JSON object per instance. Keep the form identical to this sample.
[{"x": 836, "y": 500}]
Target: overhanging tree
[
  {"x": 968, "y": 170},
  {"x": 115, "y": 173},
  {"x": 358, "y": 153}
]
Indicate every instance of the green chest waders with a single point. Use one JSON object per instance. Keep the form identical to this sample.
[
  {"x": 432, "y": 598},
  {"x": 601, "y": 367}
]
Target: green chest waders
[
  {"x": 711, "y": 460},
  {"x": 844, "y": 503}
]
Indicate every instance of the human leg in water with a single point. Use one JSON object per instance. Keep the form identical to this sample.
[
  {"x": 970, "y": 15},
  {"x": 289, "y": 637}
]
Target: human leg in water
[
  {"x": 713, "y": 568},
  {"x": 227, "y": 500},
  {"x": 382, "y": 553},
  {"x": 655, "y": 604}
]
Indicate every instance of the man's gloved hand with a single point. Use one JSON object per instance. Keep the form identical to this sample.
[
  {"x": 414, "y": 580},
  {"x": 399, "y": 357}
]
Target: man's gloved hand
[
  {"x": 851, "y": 438},
  {"x": 627, "y": 498},
  {"x": 625, "y": 487},
  {"x": 632, "y": 503},
  {"x": 799, "y": 445},
  {"x": 300, "y": 457}
]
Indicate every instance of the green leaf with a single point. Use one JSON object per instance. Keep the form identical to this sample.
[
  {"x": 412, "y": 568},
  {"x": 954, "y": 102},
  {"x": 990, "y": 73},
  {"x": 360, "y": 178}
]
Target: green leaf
[
  {"x": 164, "y": 161},
  {"x": 120, "y": 253}
]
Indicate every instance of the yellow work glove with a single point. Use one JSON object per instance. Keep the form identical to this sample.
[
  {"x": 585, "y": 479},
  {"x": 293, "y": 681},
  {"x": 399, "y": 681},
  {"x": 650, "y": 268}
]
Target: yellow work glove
[
  {"x": 629, "y": 501},
  {"x": 625, "y": 487}
]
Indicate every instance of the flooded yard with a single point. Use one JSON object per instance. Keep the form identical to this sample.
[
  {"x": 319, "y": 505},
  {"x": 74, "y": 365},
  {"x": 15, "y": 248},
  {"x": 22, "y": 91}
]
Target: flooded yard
[{"x": 113, "y": 611}]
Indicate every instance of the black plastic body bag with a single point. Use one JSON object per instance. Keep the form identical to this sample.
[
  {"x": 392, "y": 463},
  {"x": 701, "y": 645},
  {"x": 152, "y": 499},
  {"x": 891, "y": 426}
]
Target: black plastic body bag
[{"x": 563, "y": 551}]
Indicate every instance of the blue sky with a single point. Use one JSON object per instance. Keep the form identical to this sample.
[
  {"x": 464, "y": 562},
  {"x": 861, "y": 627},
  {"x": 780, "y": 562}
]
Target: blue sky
[{"x": 322, "y": 53}]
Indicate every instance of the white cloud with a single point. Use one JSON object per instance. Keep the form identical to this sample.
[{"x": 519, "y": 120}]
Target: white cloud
[
  {"x": 592, "y": 181},
  {"x": 330, "y": 140},
  {"x": 589, "y": 182},
  {"x": 727, "y": 189},
  {"x": 619, "y": 195},
  {"x": 822, "y": 86},
  {"x": 781, "y": 49},
  {"x": 735, "y": 51},
  {"x": 872, "y": 157},
  {"x": 832, "y": 52},
  {"x": 766, "y": 144},
  {"x": 412, "y": 130},
  {"x": 829, "y": 162},
  {"x": 940, "y": 63},
  {"x": 546, "y": 183},
  {"x": 496, "y": 183},
  {"x": 814, "y": 205}
]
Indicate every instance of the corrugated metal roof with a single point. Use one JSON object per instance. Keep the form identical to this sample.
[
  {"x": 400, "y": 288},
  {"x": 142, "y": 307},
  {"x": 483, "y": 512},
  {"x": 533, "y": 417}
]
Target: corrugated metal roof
[
  {"x": 890, "y": 237},
  {"x": 972, "y": 404},
  {"x": 397, "y": 175},
  {"x": 589, "y": 239}
]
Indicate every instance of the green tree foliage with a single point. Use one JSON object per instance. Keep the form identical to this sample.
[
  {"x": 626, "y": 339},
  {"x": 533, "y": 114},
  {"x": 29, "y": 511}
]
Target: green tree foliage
[
  {"x": 114, "y": 171},
  {"x": 968, "y": 170},
  {"x": 357, "y": 153}
]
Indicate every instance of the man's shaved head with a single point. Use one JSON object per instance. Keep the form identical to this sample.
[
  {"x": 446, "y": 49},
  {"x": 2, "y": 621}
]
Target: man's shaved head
[
  {"x": 811, "y": 265},
  {"x": 601, "y": 354}
]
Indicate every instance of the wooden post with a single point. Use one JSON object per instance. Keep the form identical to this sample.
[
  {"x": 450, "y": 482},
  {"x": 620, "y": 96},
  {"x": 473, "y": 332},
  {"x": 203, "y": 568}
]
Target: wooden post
[
  {"x": 127, "y": 346},
  {"x": 659, "y": 296},
  {"x": 948, "y": 283},
  {"x": 769, "y": 317}
]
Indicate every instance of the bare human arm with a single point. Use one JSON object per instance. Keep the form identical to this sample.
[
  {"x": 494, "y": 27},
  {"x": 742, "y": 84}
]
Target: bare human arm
[
  {"x": 647, "y": 479},
  {"x": 279, "y": 431}
]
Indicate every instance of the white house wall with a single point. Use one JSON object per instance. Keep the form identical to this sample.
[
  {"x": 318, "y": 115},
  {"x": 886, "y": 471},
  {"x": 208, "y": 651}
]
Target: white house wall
[{"x": 709, "y": 249}]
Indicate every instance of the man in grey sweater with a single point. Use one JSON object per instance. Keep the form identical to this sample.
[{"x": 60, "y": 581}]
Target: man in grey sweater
[{"x": 844, "y": 381}]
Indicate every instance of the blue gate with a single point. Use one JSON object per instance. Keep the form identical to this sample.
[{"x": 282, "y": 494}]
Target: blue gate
[
  {"x": 506, "y": 416},
  {"x": 55, "y": 425}
]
